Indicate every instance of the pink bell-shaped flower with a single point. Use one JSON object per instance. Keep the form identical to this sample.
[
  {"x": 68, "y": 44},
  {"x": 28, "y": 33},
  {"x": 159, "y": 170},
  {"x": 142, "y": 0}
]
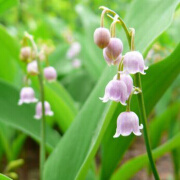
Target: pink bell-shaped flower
[
  {"x": 114, "y": 48},
  {"x": 32, "y": 68},
  {"x": 115, "y": 90},
  {"x": 134, "y": 63},
  {"x": 50, "y": 73},
  {"x": 25, "y": 53},
  {"x": 47, "y": 107},
  {"x": 127, "y": 123},
  {"x": 74, "y": 50},
  {"x": 27, "y": 96},
  {"x": 111, "y": 61},
  {"x": 127, "y": 79}
]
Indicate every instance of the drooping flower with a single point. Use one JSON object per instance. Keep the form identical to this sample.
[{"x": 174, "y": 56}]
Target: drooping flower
[
  {"x": 102, "y": 37},
  {"x": 111, "y": 61},
  {"x": 27, "y": 96},
  {"x": 127, "y": 123},
  {"x": 115, "y": 90},
  {"x": 127, "y": 79},
  {"x": 47, "y": 107},
  {"x": 32, "y": 68},
  {"x": 50, "y": 73},
  {"x": 74, "y": 50},
  {"x": 134, "y": 63},
  {"x": 25, "y": 53},
  {"x": 114, "y": 48}
]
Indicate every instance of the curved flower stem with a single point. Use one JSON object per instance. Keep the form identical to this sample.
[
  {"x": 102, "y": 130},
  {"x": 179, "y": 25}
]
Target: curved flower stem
[
  {"x": 130, "y": 37},
  {"x": 144, "y": 122},
  {"x": 40, "y": 78}
]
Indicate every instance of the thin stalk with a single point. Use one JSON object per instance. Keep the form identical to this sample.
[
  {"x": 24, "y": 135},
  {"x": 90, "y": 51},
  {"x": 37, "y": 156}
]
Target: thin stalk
[
  {"x": 43, "y": 124},
  {"x": 144, "y": 122}
]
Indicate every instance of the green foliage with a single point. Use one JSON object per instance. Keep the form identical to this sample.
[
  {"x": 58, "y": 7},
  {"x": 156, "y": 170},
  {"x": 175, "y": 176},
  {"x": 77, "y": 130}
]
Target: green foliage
[
  {"x": 6, "y": 4},
  {"x": 21, "y": 117},
  {"x": 3, "y": 177}
]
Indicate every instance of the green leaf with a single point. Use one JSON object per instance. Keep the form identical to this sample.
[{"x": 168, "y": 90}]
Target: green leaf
[
  {"x": 153, "y": 89},
  {"x": 6, "y": 4},
  {"x": 61, "y": 103},
  {"x": 21, "y": 117},
  {"x": 131, "y": 167},
  {"x": 9, "y": 58},
  {"x": 3, "y": 177},
  {"x": 158, "y": 125},
  {"x": 82, "y": 140}
]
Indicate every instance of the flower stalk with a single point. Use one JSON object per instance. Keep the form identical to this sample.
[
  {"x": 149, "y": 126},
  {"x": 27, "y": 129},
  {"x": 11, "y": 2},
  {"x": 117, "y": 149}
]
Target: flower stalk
[{"x": 43, "y": 125}]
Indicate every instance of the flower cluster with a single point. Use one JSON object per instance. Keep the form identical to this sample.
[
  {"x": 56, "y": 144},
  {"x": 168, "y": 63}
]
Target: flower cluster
[
  {"x": 32, "y": 58},
  {"x": 120, "y": 88}
]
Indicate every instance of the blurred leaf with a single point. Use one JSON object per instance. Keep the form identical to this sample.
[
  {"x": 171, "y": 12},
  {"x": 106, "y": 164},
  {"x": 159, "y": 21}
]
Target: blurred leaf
[
  {"x": 9, "y": 57},
  {"x": 82, "y": 140},
  {"x": 17, "y": 146},
  {"x": 91, "y": 55},
  {"x": 162, "y": 123},
  {"x": 21, "y": 117},
  {"x": 61, "y": 103},
  {"x": 3, "y": 177},
  {"x": 132, "y": 166},
  {"x": 6, "y": 4}
]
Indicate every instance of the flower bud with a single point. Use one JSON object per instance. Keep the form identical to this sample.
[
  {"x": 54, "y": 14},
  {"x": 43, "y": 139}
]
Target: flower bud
[
  {"x": 127, "y": 123},
  {"x": 111, "y": 61},
  {"x": 115, "y": 90},
  {"x": 101, "y": 37},
  {"x": 32, "y": 68},
  {"x": 134, "y": 63},
  {"x": 47, "y": 107},
  {"x": 114, "y": 48},
  {"x": 50, "y": 73},
  {"x": 127, "y": 79},
  {"x": 25, "y": 53},
  {"x": 27, "y": 96}
]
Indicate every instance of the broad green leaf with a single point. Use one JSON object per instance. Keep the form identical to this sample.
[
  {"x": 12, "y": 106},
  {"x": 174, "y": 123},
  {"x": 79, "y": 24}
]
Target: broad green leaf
[
  {"x": 132, "y": 166},
  {"x": 3, "y": 177},
  {"x": 153, "y": 89},
  {"x": 8, "y": 58},
  {"x": 21, "y": 117},
  {"x": 6, "y": 4},
  {"x": 61, "y": 103},
  {"x": 82, "y": 140}
]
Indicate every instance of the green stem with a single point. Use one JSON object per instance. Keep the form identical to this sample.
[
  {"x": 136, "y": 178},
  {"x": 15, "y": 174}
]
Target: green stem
[
  {"x": 40, "y": 78},
  {"x": 144, "y": 122}
]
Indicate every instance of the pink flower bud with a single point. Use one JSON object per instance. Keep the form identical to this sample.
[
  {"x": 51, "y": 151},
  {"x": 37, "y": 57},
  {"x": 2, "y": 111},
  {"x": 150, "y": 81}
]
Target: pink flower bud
[
  {"x": 47, "y": 107},
  {"x": 27, "y": 96},
  {"x": 73, "y": 50},
  {"x": 127, "y": 123},
  {"x": 32, "y": 68},
  {"x": 101, "y": 37},
  {"x": 115, "y": 90},
  {"x": 127, "y": 79},
  {"x": 134, "y": 63},
  {"x": 25, "y": 53},
  {"x": 111, "y": 61},
  {"x": 114, "y": 48},
  {"x": 50, "y": 73}
]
